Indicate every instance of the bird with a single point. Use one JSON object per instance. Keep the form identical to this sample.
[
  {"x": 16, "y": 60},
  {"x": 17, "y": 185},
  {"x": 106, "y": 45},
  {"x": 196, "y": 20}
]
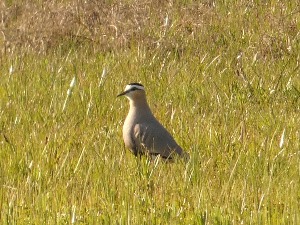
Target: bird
[{"x": 143, "y": 134}]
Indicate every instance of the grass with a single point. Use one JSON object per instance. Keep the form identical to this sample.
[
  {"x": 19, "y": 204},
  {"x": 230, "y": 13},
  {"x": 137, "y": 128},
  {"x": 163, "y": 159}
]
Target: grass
[{"x": 223, "y": 77}]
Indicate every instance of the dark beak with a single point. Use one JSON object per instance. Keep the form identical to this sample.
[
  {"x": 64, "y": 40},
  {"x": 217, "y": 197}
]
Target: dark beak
[{"x": 123, "y": 93}]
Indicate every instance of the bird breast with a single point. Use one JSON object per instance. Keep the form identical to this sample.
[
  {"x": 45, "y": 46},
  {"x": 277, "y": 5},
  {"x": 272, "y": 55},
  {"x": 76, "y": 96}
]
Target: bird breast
[{"x": 128, "y": 129}]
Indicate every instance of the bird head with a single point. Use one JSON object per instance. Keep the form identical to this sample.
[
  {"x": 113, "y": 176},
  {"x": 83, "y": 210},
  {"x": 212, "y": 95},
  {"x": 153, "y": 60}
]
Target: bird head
[{"x": 133, "y": 90}]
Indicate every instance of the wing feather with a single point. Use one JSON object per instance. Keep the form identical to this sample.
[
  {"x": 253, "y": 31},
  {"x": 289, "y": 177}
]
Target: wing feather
[{"x": 155, "y": 139}]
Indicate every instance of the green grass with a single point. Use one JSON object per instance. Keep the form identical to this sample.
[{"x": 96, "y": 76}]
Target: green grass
[{"x": 222, "y": 77}]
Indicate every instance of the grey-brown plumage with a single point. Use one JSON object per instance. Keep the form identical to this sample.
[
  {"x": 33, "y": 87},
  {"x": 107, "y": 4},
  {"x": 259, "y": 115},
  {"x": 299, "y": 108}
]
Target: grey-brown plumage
[{"x": 142, "y": 133}]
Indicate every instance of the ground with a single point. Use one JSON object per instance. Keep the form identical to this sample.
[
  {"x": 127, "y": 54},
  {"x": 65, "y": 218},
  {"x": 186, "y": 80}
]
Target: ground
[{"x": 222, "y": 76}]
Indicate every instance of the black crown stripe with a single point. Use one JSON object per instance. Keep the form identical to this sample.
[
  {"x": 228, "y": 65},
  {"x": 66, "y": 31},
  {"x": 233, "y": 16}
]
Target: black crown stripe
[{"x": 137, "y": 84}]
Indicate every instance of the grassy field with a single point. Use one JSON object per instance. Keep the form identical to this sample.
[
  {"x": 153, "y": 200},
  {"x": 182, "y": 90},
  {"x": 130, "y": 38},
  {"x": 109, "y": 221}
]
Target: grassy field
[{"x": 222, "y": 76}]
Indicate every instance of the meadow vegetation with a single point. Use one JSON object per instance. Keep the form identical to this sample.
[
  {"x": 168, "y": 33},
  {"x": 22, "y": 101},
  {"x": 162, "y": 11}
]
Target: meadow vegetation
[{"x": 222, "y": 76}]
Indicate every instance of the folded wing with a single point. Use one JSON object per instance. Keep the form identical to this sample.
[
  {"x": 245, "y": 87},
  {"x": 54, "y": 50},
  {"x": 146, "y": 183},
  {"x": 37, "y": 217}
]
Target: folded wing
[{"x": 155, "y": 139}]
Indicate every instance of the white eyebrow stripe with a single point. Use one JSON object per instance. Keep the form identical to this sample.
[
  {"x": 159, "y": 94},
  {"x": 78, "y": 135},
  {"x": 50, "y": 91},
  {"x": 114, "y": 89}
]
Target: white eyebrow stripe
[{"x": 128, "y": 87}]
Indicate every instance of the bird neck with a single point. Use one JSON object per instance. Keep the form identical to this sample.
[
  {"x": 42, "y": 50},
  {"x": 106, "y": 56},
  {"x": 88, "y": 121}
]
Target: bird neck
[{"x": 140, "y": 105}]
